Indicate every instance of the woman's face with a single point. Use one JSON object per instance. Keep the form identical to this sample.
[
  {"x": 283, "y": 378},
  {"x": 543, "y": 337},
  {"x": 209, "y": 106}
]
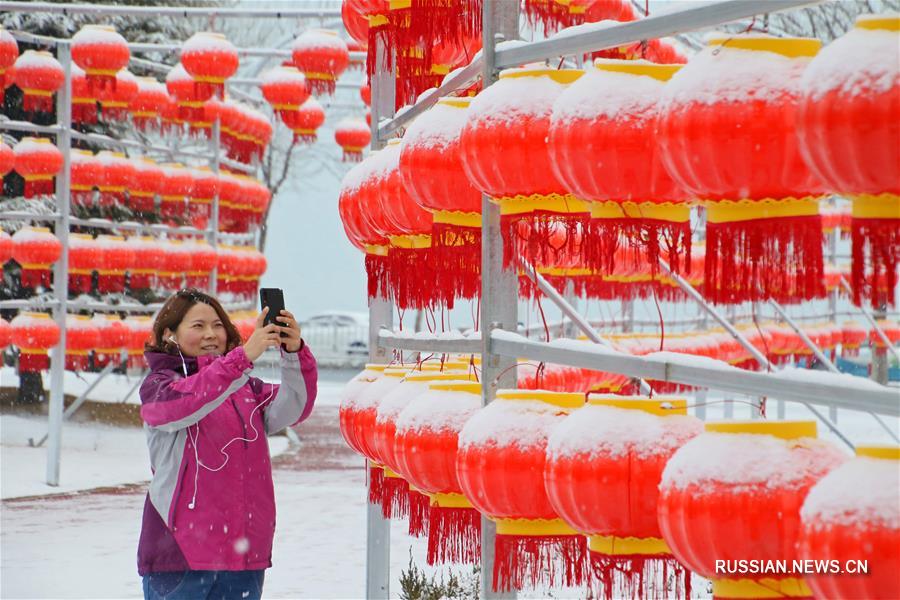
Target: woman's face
[{"x": 201, "y": 332}]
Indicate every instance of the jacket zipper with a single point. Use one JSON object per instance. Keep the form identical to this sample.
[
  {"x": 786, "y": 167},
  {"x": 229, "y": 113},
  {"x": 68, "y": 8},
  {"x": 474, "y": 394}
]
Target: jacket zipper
[{"x": 241, "y": 418}]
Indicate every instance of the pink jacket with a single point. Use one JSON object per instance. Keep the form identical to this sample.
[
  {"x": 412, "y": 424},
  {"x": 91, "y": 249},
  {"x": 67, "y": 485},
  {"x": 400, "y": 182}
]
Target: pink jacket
[{"x": 219, "y": 515}]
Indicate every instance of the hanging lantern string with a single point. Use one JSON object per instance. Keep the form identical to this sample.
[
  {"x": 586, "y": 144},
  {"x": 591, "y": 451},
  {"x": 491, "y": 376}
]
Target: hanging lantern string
[
  {"x": 748, "y": 30},
  {"x": 712, "y": 402},
  {"x": 762, "y": 400},
  {"x": 504, "y": 371},
  {"x": 662, "y": 326},
  {"x": 473, "y": 370}
]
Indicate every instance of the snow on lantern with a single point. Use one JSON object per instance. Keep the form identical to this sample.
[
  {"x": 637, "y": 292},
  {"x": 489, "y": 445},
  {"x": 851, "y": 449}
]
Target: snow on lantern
[
  {"x": 148, "y": 260},
  {"x": 85, "y": 172},
  {"x": 205, "y": 189},
  {"x": 603, "y": 148},
  {"x": 725, "y": 119},
  {"x": 260, "y": 197},
  {"x": 148, "y": 104},
  {"x": 180, "y": 86},
  {"x": 210, "y": 59},
  {"x": 114, "y": 102},
  {"x": 102, "y": 53},
  {"x": 203, "y": 261},
  {"x": 84, "y": 99},
  {"x": 9, "y": 52},
  {"x": 353, "y": 136},
  {"x": 347, "y": 414},
  {"x": 505, "y": 155},
  {"x": 853, "y": 336},
  {"x": 285, "y": 89},
  {"x": 853, "y": 513},
  {"x": 604, "y": 465},
  {"x": 231, "y": 192},
  {"x": 38, "y": 161},
  {"x": 502, "y": 454},
  {"x": 35, "y": 249},
  {"x": 7, "y": 159},
  {"x": 5, "y": 333},
  {"x": 432, "y": 170},
  {"x": 322, "y": 56},
  {"x": 139, "y": 330},
  {"x": 117, "y": 179},
  {"x": 113, "y": 335},
  {"x": 176, "y": 188},
  {"x": 849, "y": 107},
  {"x": 426, "y": 447},
  {"x": 85, "y": 254},
  {"x": 82, "y": 336},
  {"x": 148, "y": 180},
  {"x": 33, "y": 334},
  {"x": 116, "y": 258},
  {"x": 718, "y": 494},
  {"x": 256, "y": 268},
  {"x": 6, "y": 247},
  {"x": 38, "y": 75},
  {"x": 305, "y": 121},
  {"x": 171, "y": 271}
]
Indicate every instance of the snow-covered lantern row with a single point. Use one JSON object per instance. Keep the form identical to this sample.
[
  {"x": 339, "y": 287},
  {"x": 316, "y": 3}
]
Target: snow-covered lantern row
[
  {"x": 725, "y": 119},
  {"x": 305, "y": 121},
  {"x": 147, "y": 181},
  {"x": 148, "y": 104},
  {"x": 34, "y": 334},
  {"x": 205, "y": 189},
  {"x": 853, "y": 513},
  {"x": 113, "y": 338},
  {"x": 180, "y": 86},
  {"x": 210, "y": 59},
  {"x": 231, "y": 198},
  {"x": 101, "y": 52},
  {"x": 239, "y": 269},
  {"x": 114, "y": 102},
  {"x": 7, "y": 160},
  {"x": 400, "y": 499},
  {"x": 200, "y": 124},
  {"x": 604, "y": 465},
  {"x": 85, "y": 172},
  {"x": 203, "y": 260},
  {"x": 505, "y": 155},
  {"x": 719, "y": 493},
  {"x": 353, "y": 136},
  {"x": 148, "y": 261},
  {"x": 174, "y": 259},
  {"x": 891, "y": 330},
  {"x": 5, "y": 334},
  {"x": 245, "y": 132},
  {"x": 501, "y": 461},
  {"x": 848, "y": 126},
  {"x": 85, "y": 255},
  {"x": 603, "y": 148},
  {"x": 82, "y": 336},
  {"x": 36, "y": 249},
  {"x": 6, "y": 247},
  {"x": 84, "y": 98},
  {"x": 349, "y": 394},
  {"x": 38, "y": 161},
  {"x": 432, "y": 171},
  {"x": 426, "y": 446},
  {"x": 9, "y": 52},
  {"x": 257, "y": 265},
  {"x": 321, "y": 56},
  {"x": 284, "y": 88},
  {"x": 245, "y": 322},
  {"x": 116, "y": 258},
  {"x": 116, "y": 181},
  {"x": 177, "y": 185},
  {"x": 139, "y": 330},
  {"x": 39, "y": 76},
  {"x": 359, "y": 229}
]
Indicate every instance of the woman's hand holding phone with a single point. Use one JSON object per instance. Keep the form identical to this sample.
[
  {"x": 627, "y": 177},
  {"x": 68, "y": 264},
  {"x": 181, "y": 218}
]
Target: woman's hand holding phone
[
  {"x": 290, "y": 330},
  {"x": 263, "y": 336}
]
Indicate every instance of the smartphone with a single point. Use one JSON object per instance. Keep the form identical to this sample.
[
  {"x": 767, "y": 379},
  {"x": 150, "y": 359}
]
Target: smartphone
[{"x": 274, "y": 299}]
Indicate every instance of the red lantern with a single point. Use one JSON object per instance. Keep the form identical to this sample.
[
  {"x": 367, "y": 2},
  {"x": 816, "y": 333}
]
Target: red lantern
[
  {"x": 148, "y": 260},
  {"x": 848, "y": 107},
  {"x": 356, "y": 24},
  {"x": 147, "y": 181},
  {"x": 725, "y": 119},
  {"x": 203, "y": 261},
  {"x": 114, "y": 102},
  {"x": 852, "y": 514},
  {"x": 38, "y": 75},
  {"x": 548, "y": 15},
  {"x": 210, "y": 59},
  {"x": 353, "y": 136},
  {"x": 9, "y": 52},
  {"x": 5, "y": 333},
  {"x": 181, "y": 88},
  {"x": 37, "y": 161},
  {"x": 118, "y": 177},
  {"x": 102, "y": 53},
  {"x": 205, "y": 189},
  {"x": 139, "y": 331},
  {"x": 84, "y": 99},
  {"x": 116, "y": 258},
  {"x": 82, "y": 336},
  {"x": 86, "y": 170},
  {"x": 6, "y": 247},
  {"x": 322, "y": 56},
  {"x": 426, "y": 446},
  {"x": 365, "y": 92},
  {"x": 604, "y": 465},
  {"x": 501, "y": 460},
  {"x": 305, "y": 121},
  {"x": 113, "y": 335},
  {"x": 148, "y": 104},
  {"x": 175, "y": 257},
  {"x": 33, "y": 334},
  {"x": 7, "y": 159},
  {"x": 177, "y": 187},
  {"x": 285, "y": 89},
  {"x": 603, "y": 148},
  {"x": 85, "y": 254},
  {"x": 505, "y": 155},
  {"x": 35, "y": 249},
  {"x": 719, "y": 492},
  {"x": 230, "y": 196},
  {"x": 433, "y": 174}
]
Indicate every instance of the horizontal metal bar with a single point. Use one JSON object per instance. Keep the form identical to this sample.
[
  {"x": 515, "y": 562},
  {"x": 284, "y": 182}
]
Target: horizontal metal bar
[
  {"x": 470, "y": 345},
  {"x": 167, "y": 11},
  {"x": 29, "y": 304},
  {"x": 154, "y": 228},
  {"x": 21, "y": 215},
  {"x": 30, "y": 127},
  {"x": 662, "y": 24},
  {"x": 827, "y": 390},
  {"x": 152, "y": 47}
]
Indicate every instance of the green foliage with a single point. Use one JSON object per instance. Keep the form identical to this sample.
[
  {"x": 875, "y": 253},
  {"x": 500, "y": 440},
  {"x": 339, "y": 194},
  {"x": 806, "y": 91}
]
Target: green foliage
[{"x": 416, "y": 585}]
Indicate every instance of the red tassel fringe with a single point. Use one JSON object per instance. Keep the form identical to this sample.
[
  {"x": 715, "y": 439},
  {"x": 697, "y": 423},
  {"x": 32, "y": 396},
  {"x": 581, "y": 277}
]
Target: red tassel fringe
[
  {"x": 31, "y": 103},
  {"x": 454, "y": 536},
  {"x": 411, "y": 276},
  {"x": 457, "y": 259},
  {"x": 84, "y": 113},
  {"x": 395, "y": 500},
  {"x": 39, "y": 187},
  {"x": 32, "y": 363},
  {"x": 543, "y": 238},
  {"x": 876, "y": 256},
  {"x": 779, "y": 258},
  {"x": 522, "y": 562},
  {"x": 649, "y": 577},
  {"x": 645, "y": 241},
  {"x": 376, "y": 275},
  {"x": 321, "y": 87},
  {"x": 34, "y": 278},
  {"x": 419, "y": 505},
  {"x": 376, "y": 484}
]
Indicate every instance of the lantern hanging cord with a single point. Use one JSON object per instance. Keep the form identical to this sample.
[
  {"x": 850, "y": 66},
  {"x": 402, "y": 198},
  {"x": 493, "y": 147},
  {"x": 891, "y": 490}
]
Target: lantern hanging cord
[
  {"x": 507, "y": 369},
  {"x": 662, "y": 326},
  {"x": 473, "y": 370},
  {"x": 712, "y": 402}
]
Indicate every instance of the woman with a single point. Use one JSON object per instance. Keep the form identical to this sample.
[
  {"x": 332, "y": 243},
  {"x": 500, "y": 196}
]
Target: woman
[{"x": 209, "y": 517}]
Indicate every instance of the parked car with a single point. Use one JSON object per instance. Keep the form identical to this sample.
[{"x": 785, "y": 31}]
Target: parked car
[{"x": 339, "y": 338}]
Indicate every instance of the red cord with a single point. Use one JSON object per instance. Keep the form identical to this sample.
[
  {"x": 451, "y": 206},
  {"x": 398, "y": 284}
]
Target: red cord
[{"x": 662, "y": 326}]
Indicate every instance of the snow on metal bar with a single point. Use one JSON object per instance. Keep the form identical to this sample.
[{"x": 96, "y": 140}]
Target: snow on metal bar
[
  {"x": 423, "y": 341},
  {"x": 801, "y": 385},
  {"x": 107, "y": 224},
  {"x": 29, "y": 127},
  {"x": 21, "y": 215},
  {"x": 661, "y": 24},
  {"x": 166, "y": 11}
]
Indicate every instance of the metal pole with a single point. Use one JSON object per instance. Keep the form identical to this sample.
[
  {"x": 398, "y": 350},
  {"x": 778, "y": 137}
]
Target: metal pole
[
  {"x": 872, "y": 322},
  {"x": 803, "y": 337},
  {"x": 212, "y": 227},
  {"x": 61, "y": 268},
  {"x": 78, "y": 402}
]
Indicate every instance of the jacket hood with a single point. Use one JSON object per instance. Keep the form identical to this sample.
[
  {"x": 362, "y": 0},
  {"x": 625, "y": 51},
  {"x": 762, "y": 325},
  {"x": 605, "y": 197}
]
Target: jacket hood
[{"x": 159, "y": 361}]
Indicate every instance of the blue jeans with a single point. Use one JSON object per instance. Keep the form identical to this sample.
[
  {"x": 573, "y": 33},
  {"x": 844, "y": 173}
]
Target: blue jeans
[{"x": 204, "y": 585}]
